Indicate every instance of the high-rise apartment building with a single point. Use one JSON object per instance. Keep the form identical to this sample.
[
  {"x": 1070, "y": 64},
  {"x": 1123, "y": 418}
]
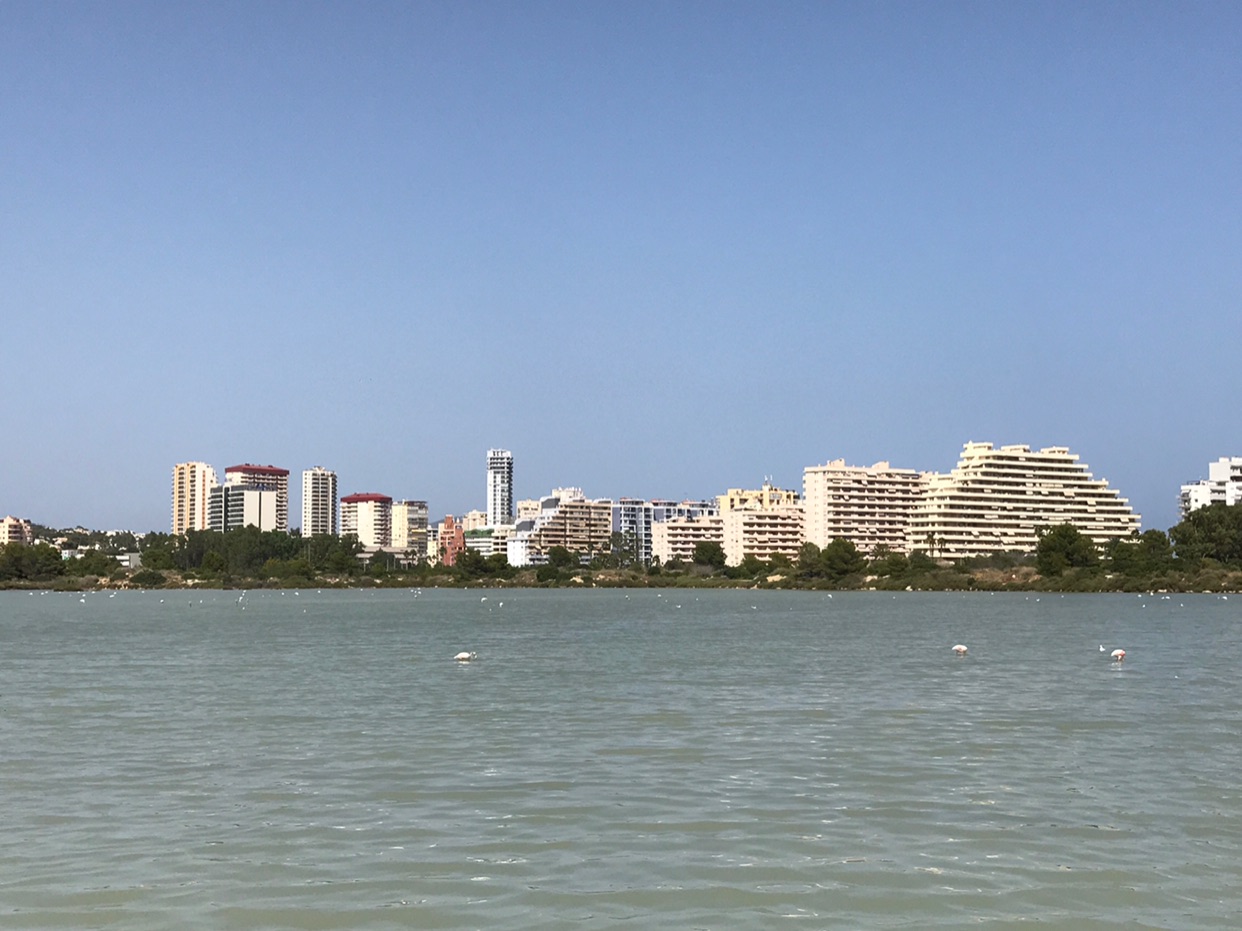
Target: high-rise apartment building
[
  {"x": 499, "y": 487},
  {"x": 632, "y": 519},
  {"x": 1222, "y": 486},
  {"x": 763, "y": 523},
  {"x": 318, "y": 502},
  {"x": 409, "y": 528},
  {"x": 264, "y": 478},
  {"x": 233, "y": 505},
  {"x": 999, "y": 500},
  {"x": 191, "y": 493},
  {"x": 369, "y": 518},
  {"x": 869, "y": 506}
]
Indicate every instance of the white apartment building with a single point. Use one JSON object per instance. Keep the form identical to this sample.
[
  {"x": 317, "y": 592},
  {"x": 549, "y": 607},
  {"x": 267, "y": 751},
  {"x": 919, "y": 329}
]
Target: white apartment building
[
  {"x": 675, "y": 539},
  {"x": 192, "y": 483},
  {"x": 869, "y": 506},
  {"x": 319, "y": 502},
  {"x": 367, "y": 516},
  {"x": 499, "y": 487},
  {"x": 264, "y": 478},
  {"x": 632, "y": 519},
  {"x": 762, "y": 523},
  {"x": 997, "y": 501},
  {"x": 231, "y": 506},
  {"x": 1222, "y": 486}
]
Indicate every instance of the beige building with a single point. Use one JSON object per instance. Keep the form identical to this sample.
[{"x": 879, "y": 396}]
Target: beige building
[
  {"x": 869, "y": 506},
  {"x": 997, "y": 501},
  {"x": 409, "y": 528},
  {"x": 566, "y": 518},
  {"x": 192, "y": 483},
  {"x": 369, "y": 518},
  {"x": 676, "y": 538},
  {"x": 762, "y": 523},
  {"x": 16, "y": 530}
]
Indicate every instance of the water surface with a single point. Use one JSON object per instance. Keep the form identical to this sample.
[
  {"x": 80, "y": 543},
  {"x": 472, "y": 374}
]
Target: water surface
[{"x": 665, "y": 759}]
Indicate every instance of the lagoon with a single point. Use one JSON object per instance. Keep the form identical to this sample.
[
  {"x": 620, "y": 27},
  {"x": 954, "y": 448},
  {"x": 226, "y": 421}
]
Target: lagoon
[{"x": 661, "y": 758}]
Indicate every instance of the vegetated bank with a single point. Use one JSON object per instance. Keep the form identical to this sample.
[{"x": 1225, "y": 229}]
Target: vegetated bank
[{"x": 1203, "y": 553}]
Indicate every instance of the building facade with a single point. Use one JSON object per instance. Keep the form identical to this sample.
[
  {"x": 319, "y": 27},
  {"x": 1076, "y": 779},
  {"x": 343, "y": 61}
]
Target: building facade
[
  {"x": 1222, "y": 486},
  {"x": 16, "y": 530},
  {"x": 450, "y": 540},
  {"x": 192, "y": 483},
  {"x": 367, "y": 516},
  {"x": 765, "y": 522},
  {"x": 674, "y": 539},
  {"x": 231, "y": 506},
  {"x": 999, "y": 500},
  {"x": 566, "y": 518},
  {"x": 319, "y": 515},
  {"x": 264, "y": 478},
  {"x": 499, "y": 487},
  {"x": 409, "y": 528},
  {"x": 869, "y": 506},
  {"x": 632, "y": 519}
]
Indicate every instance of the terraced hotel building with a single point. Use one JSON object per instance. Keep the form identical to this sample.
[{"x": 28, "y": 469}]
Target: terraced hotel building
[{"x": 997, "y": 501}]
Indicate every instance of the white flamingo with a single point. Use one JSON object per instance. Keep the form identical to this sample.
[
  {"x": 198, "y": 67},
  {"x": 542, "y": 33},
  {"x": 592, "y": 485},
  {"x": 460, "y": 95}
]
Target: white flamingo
[
  {"x": 960, "y": 649},
  {"x": 465, "y": 656},
  {"x": 1118, "y": 656}
]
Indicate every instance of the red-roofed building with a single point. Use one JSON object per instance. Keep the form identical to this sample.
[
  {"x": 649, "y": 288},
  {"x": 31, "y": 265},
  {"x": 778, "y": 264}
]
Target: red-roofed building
[
  {"x": 264, "y": 478},
  {"x": 369, "y": 517}
]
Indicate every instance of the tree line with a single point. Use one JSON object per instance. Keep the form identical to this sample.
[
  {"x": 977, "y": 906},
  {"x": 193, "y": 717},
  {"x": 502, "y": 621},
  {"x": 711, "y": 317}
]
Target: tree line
[{"x": 1204, "y": 551}]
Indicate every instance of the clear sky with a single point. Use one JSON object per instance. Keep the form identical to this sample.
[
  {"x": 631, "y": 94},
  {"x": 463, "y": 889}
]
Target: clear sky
[{"x": 655, "y": 249}]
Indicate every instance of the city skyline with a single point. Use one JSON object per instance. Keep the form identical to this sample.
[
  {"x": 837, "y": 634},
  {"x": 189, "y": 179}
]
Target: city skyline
[{"x": 658, "y": 250}]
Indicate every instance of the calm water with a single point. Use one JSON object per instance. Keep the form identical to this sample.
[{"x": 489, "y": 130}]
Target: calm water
[{"x": 652, "y": 760}]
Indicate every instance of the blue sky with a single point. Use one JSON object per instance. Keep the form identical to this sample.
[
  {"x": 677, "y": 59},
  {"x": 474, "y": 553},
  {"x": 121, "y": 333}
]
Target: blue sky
[{"x": 655, "y": 249}]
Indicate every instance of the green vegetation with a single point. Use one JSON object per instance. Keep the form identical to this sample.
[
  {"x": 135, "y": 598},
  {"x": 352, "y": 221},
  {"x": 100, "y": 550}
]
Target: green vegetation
[{"x": 1202, "y": 553}]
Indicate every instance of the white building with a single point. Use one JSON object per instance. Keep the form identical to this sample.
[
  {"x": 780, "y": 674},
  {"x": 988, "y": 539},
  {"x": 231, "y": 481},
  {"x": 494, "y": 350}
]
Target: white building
[
  {"x": 499, "y": 487},
  {"x": 192, "y": 483},
  {"x": 632, "y": 519},
  {"x": 367, "y": 516},
  {"x": 869, "y": 506},
  {"x": 231, "y": 506},
  {"x": 319, "y": 502},
  {"x": 998, "y": 500},
  {"x": 264, "y": 478},
  {"x": 1222, "y": 486}
]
